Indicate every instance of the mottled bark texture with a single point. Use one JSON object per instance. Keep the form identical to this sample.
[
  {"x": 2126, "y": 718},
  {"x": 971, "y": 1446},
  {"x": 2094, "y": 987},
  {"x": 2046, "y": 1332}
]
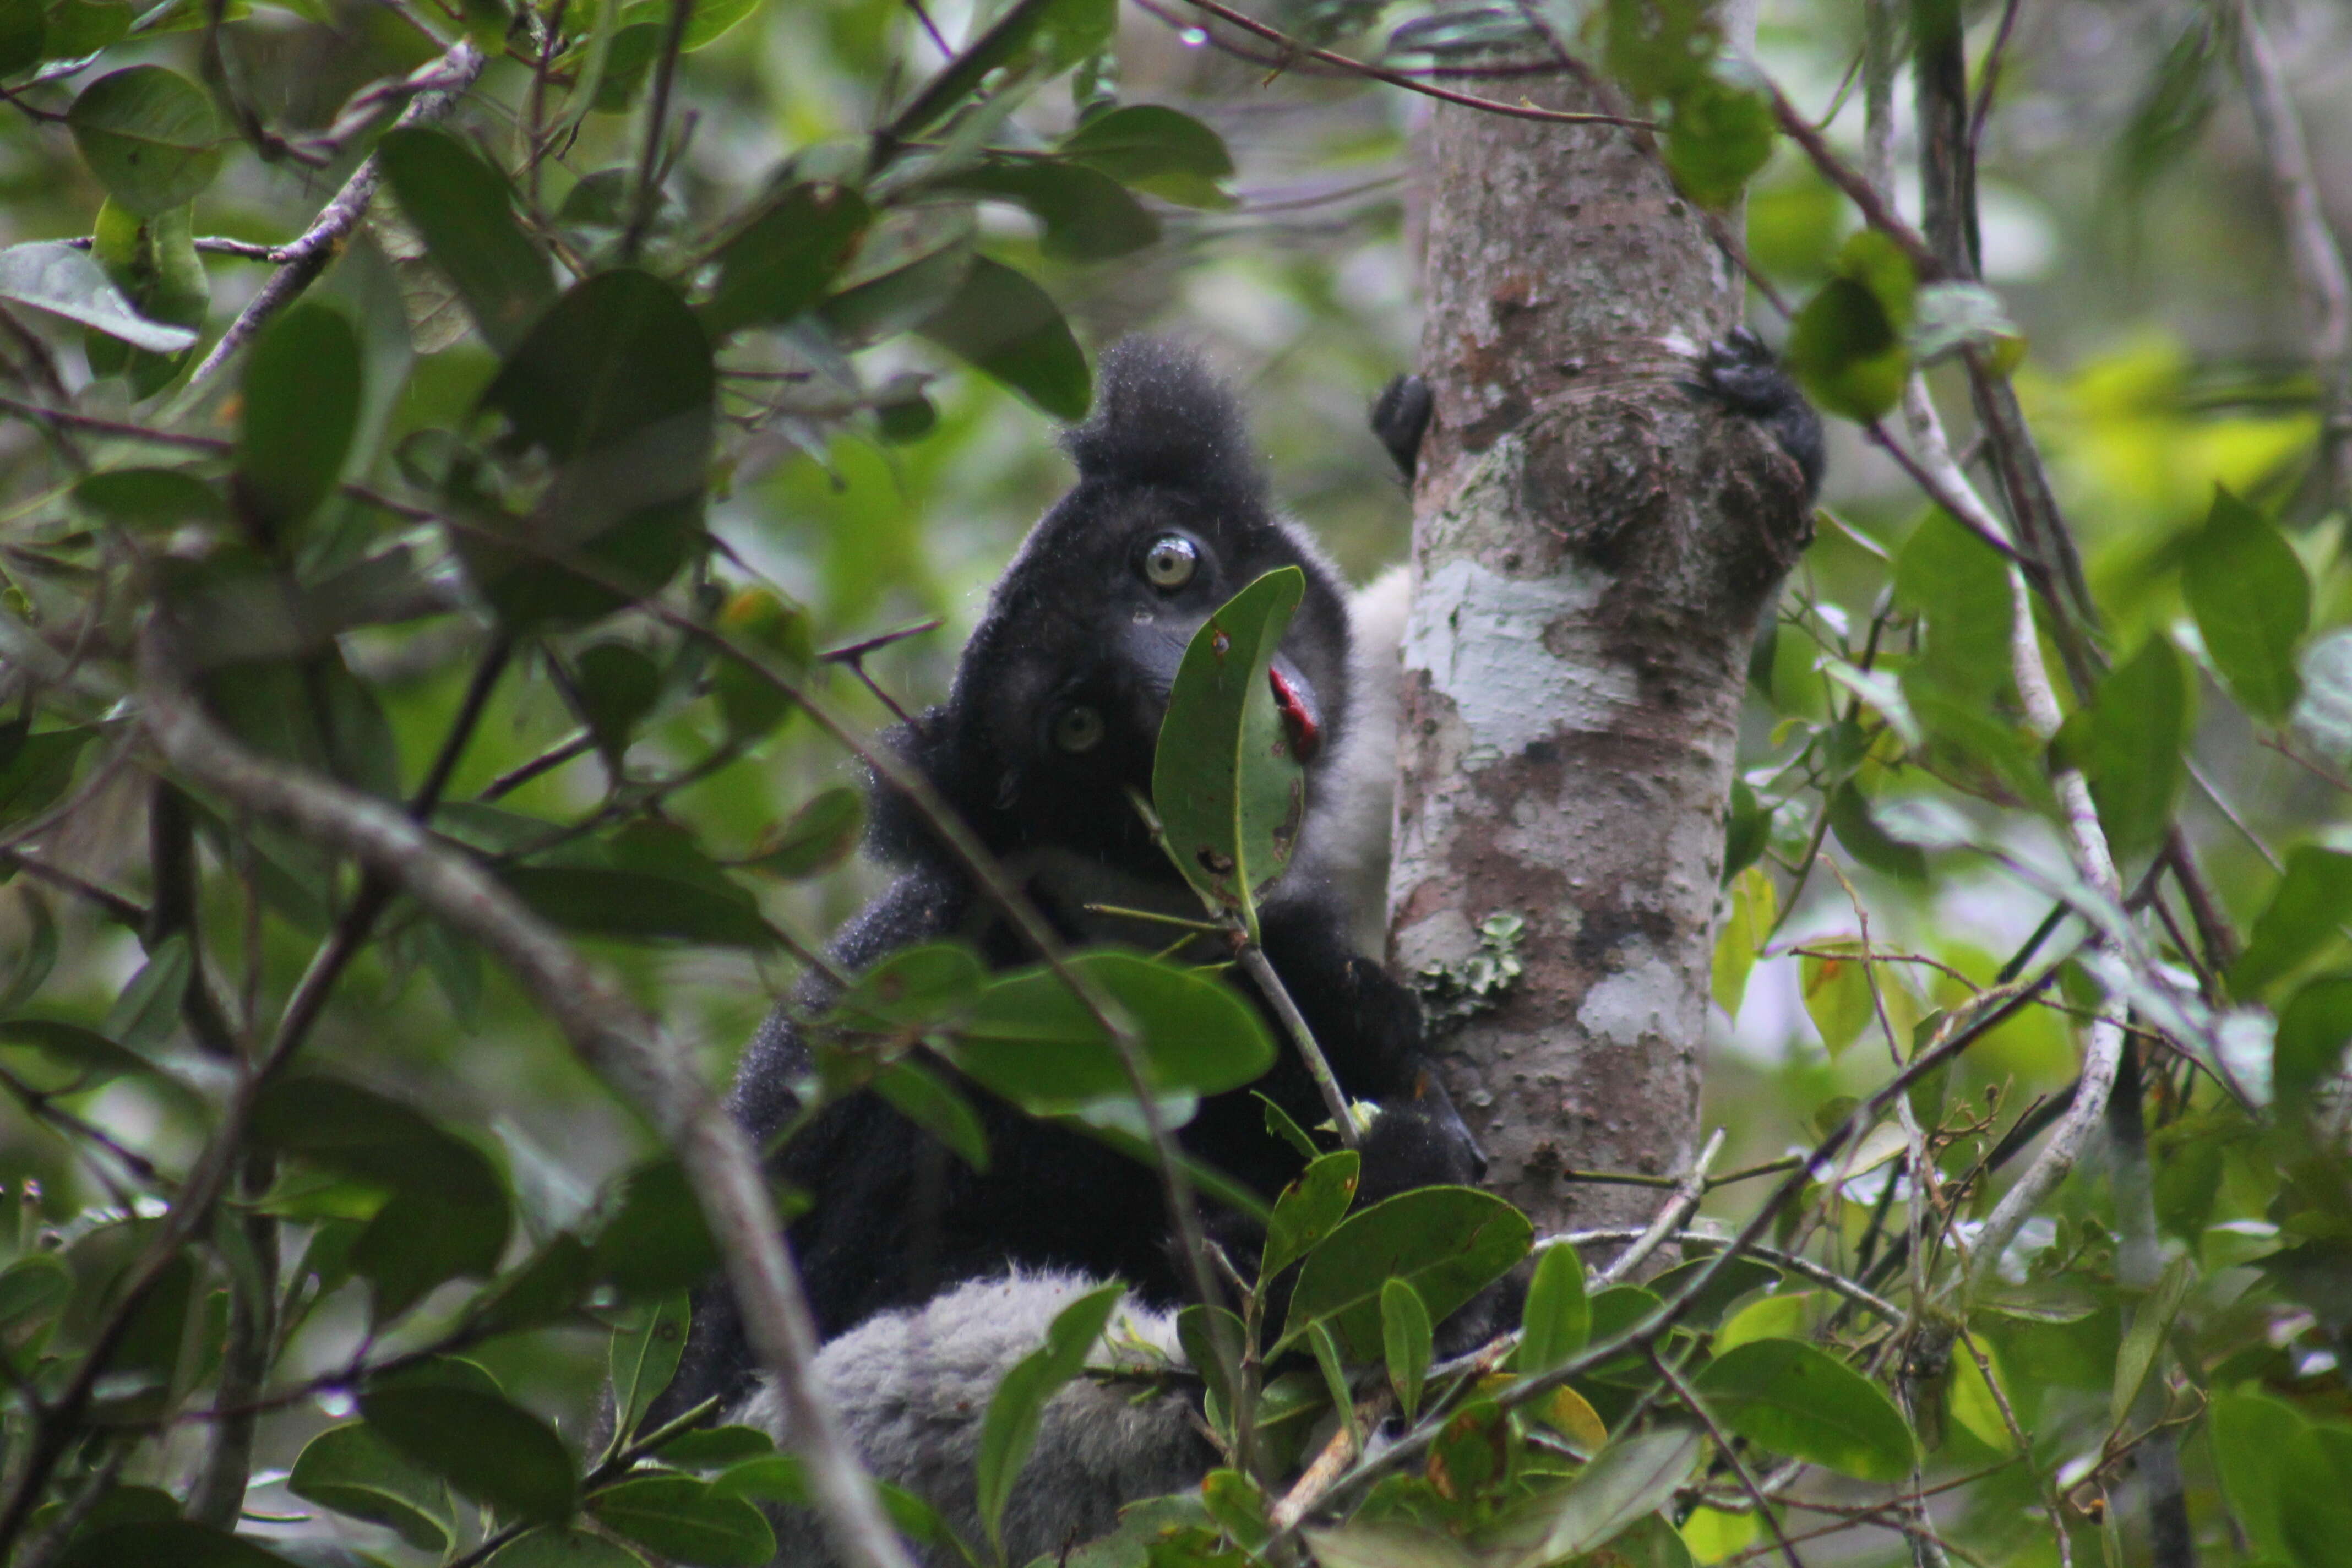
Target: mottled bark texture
[{"x": 1592, "y": 547}]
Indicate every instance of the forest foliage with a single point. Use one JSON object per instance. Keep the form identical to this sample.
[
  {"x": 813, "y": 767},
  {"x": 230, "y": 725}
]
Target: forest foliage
[{"x": 558, "y": 427}]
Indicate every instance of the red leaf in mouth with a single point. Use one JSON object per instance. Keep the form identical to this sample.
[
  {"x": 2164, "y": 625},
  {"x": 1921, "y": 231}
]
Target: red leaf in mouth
[{"x": 1306, "y": 735}]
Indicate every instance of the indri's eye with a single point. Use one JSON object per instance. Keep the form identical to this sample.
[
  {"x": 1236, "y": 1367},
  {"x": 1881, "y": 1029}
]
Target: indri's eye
[
  {"x": 1079, "y": 730},
  {"x": 1171, "y": 561}
]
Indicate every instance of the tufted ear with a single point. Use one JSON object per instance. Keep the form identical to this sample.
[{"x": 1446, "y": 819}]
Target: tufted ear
[{"x": 1161, "y": 418}]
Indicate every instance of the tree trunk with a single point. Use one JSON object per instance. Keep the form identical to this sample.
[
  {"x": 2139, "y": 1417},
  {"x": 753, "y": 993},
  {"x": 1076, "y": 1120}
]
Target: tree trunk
[{"x": 1592, "y": 546}]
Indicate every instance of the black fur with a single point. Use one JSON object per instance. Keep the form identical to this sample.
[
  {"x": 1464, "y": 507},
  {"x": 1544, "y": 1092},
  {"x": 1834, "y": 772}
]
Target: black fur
[{"x": 895, "y": 1218}]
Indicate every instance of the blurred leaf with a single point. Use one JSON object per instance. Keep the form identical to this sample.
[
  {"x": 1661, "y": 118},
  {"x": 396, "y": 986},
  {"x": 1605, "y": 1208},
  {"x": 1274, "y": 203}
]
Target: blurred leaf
[
  {"x": 301, "y": 406},
  {"x": 618, "y": 687},
  {"x": 2253, "y": 602},
  {"x": 1745, "y": 924},
  {"x": 1008, "y": 327},
  {"x": 546, "y": 1288},
  {"x": 1960, "y": 585},
  {"x": 2250, "y": 1433},
  {"x": 654, "y": 1240},
  {"x": 1155, "y": 149},
  {"x": 1659, "y": 49},
  {"x": 639, "y": 905},
  {"x": 1746, "y": 832},
  {"x": 1732, "y": 1279},
  {"x": 2128, "y": 744},
  {"x": 925, "y": 1099},
  {"x": 775, "y": 627},
  {"x": 1228, "y": 784},
  {"x": 2310, "y": 902},
  {"x": 150, "y": 498},
  {"x": 900, "y": 297},
  {"x": 1793, "y": 1399},
  {"x": 154, "y": 262},
  {"x": 1307, "y": 1209},
  {"x": 491, "y": 1450},
  {"x": 23, "y": 32},
  {"x": 1557, "y": 1318},
  {"x": 1033, "y": 1042},
  {"x": 915, "y": 988},
  {"x": 353, "y": 1470},
  {"x": 2151, "y": 1322},
  {"x": 35, "y": 768},
  {"x": 2315, "y": 1494},
  {"x": 82, "y": 28},
  {"x": 1001, "y": 43},
  {"x": 550, "y": 1547},
  {"x": 32, "y": 1287},
  {"x": 2306, "y": 1054},
  {"x": 615, "y": 385},
  {"x": 53, "y": 276},
  {"x": 1088, "y": 216},
  {"x": 818, "y": 836},
  {"x": 1009, "y": 1430},
  {"x": 1846, "y": 346},
  {"x": 148, "y": 1010},
  {"x": 1405, "y": 1340},
  {"x": 461, "y": 208},
  {"x": 1624, "y": 1483},
  {"x": 709, "y": 21},
  {"x": 167, "y": 1544},
  {"x": 680, "y": 1519},
  {"x": 1836, "y": 991},
  {"x": 1952, "y": 316},
  {"x": 1717, "y": 137},
  {"x": 83, "y": 1056},
  {"x": 2325, "y": 711},
  {"x": 1867, "y": 841},
  {"x": 150, "y": 136},
  {"x": 783, "y": 262},
  {"x": 1449, "y": 1242},
  {"x": 715, "y": 1448}
]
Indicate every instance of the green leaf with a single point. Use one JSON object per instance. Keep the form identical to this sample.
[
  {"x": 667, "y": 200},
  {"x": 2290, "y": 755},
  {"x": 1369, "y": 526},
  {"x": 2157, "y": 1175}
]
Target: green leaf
[
  {"x": 23, "y": 32},
  {"x": 1717, "y": 137},
  {"x": 911, "y": 990},
  {"x": 925, "y": 1099},
  {"x": 153, "y": 261},
  {"x": 149, "y": 1008},
  {"x": 546, "y": 1288},
  {"x": 2249, "y": 1433},
  {"x": 639, "y": 905},
  {"x": 1747, "y": 925},
  {"x": 715, "y": 1448},
  {"x": 1835, "y": 991},
  {"x": 2151, "y": 1322},
  {"x": 1230, "y": 792},
  {"x": 154, "y": 498},
  {"x": 1846, "y": 346},
  {"x": 2307, "y": 1052},
  {"x": 2252, "y": 602},
  {"x": 1959, "y": 585},
  {"x": 1006, "y": 326},
  {"x": 1449, "y": 1242},
  {"x": 1031, "y": 1040},
  {"x": 1307, "y": 1209},
  {"x": 553, "y": 1547},
  {"x": 53, "y": 276},
  {"x": 300, "y": 408},
  {"x": 1659, "y": 49},
  {"x": 1732, "y": 1278},
  {"x": 1405, "y": 1337},
  {"x": 167, "y": 1544},
  {"x": 1867, "y": 842},
  {"x": 617, "y": 687},
  {"x": 353, "y": 1470},
  {"x": 816, "y": 838},
  {"x": 1009, "y": 1430},
  {"x": 902, "y": 296},
  {"x": 615, "y": 385},
  {"x": 785, "y": 258},
  {"x": 1157, "y": 149},
  {"x": 491, "y": 1450},
  {"x": 679, "y": 1518},
  {"x": 461, "y": 208},
  {"x": 2128, "y": 744},
  {"x": 76, "y": 1058},
  {"x": 1791, "y": 1398},
  {"x": 2315, "y": 1495},
  {"x": 1625, "y": 1482},
  {"x": 1088, "y": 216},
  {"x": 1558, "y": 1318},
  {"x": 149, "y": 135},
  {"x": 31, "y": 1288},
  {"x": 655, "y": 1241},
  {"x": 2311, "y": 899},
  {"x": 709, "y": 21},
  {"x": 1003, "y": 41}
]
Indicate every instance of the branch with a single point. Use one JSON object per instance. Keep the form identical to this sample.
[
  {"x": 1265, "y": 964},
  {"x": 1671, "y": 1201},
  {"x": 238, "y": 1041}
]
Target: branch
[
  {"x": 623, "y": 1046},
  {"x": 1670, "y": 1217},
  {"x": 307, "y": 256}
]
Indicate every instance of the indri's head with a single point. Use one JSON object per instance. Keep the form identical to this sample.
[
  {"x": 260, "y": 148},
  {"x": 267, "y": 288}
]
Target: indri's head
[{"x": 1058, "y": 701}]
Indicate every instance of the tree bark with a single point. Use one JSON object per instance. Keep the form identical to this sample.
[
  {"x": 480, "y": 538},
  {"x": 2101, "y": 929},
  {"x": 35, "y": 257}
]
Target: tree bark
[{"x": 1592, "y": 546}]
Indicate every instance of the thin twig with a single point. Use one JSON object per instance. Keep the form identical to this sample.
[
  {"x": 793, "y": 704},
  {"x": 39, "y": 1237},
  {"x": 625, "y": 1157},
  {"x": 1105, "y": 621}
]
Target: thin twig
[
  {"x": 1730, "y": 1455},
  {"x": 1669, "y": 1219},
  {"x": 649, "y": 157},
  {"x": 1318, "y": 1066},
  {"x": 307, "y": 257},
  {"x": 1293, "y": 46}
]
